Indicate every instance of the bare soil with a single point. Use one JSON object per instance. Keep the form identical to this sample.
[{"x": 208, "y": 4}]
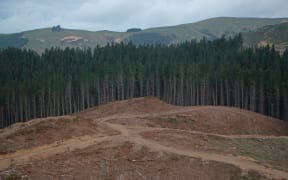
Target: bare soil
[
  {"x": 126, "y": 161},
  {"x": 267, "y": 150},
  {"x": 217, "y": 120},
  {"x": 145, "y": 138},
  {"x": 46, "y": 131}
]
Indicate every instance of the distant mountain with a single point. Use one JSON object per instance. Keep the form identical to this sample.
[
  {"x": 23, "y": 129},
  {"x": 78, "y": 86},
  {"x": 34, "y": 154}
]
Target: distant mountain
[
  {"x": 255, "y": 30},
  {"x": 268, "y": 35}
]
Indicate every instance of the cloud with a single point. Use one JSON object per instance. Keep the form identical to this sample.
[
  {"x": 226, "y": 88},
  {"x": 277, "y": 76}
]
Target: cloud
[{"x": 118, "y": 15}]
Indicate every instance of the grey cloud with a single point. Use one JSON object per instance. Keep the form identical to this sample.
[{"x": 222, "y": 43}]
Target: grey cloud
[{"x": 118, "y": 15}]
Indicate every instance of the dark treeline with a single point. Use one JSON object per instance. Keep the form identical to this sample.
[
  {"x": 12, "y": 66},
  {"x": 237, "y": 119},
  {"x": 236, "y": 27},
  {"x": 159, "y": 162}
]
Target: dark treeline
[{"x": 220, "y": 72}]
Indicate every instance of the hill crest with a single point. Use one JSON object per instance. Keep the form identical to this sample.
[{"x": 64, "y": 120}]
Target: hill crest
[
  {"x": 213, "y": 28},
  {"x": 217, "y": 119},
  {"x": 132, "y": 133}
]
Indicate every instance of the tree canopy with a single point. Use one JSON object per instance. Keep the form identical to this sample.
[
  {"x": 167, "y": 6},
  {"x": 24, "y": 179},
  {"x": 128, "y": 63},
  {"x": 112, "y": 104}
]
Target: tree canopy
[{"x": 220, "y": 72}]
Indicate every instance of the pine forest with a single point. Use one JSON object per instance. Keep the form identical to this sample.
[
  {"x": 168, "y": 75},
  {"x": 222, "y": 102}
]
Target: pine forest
[{"x": 220, "y": 72}]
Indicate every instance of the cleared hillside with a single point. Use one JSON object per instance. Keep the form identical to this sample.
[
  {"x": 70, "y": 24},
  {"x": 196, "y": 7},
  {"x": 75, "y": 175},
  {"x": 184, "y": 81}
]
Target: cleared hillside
[
  {"x": 144, "y": 138},
  {"x": 269, "y": 35}
]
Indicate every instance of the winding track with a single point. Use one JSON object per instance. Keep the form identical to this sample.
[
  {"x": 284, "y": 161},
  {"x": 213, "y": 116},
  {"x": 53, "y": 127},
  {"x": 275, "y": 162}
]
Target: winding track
[{"x": 131, "y": 133}]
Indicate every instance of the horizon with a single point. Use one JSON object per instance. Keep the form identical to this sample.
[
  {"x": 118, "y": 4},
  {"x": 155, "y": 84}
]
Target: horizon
[
  {"x": 118, "y": 16},
  {"x": 68, "y": 28}
]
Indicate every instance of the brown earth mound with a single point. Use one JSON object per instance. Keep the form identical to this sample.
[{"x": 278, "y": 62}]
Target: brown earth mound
[
  {"x": 149, "y": 112},
  {"x": 270, "y": 151},
  {"x": 144, "y": 138},
  {"x": 220, "y": 120},
  {"x": 210, "y": 119},
  {"x": 46, "y": 131},
  {"x": 136, "y": 106}
]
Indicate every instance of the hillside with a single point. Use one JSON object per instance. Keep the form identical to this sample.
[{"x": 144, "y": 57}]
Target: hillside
[
  {"x": 269, "y": 35},
  {"x": 144, "y": 138},
  {"x": 211, "y": 29},
  {"x": 217, "y": 27}
]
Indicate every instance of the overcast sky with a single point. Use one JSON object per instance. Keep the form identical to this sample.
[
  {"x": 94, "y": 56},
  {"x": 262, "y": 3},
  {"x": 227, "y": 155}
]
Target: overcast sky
[{"x": 118, "y": 15}]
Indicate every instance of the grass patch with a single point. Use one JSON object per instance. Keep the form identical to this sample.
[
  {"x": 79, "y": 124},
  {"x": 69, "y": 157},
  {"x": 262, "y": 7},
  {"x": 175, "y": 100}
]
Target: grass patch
[
  {"x": 77, "y": 118},
  {"x": 271, "y": 151},
  {"x": 172, "y": 120},
  {"x": 268, "y": 151},
  {"x": 10, "y": 176}
]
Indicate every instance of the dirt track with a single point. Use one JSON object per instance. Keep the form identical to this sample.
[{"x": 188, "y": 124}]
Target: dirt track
[{"x": 132, "y": 133}]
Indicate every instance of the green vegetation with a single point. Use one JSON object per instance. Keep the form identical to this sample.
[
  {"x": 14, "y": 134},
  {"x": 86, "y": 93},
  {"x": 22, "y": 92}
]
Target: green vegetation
[
  {"x": 13, "y": 40},
  {"x": 12, "y": 176},
  {"x": 39, "y": 40},
  {"x": 149, "y": 38},
  {"x": 274, "y": 150},
  {"x": 56, "y": 28},
  {"x": 219, "y": 72},
  {"x": 271, "y": 151},
  {"x": 215, "y": 28},
  {"x": 134, "y": 30},
  {"x": 251, "y": 175},
  {"x": 276, "y": 34}
]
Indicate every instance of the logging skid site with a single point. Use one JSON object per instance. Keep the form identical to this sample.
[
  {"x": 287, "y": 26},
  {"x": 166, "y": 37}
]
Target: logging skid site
[{"x": 146, "y": 138}]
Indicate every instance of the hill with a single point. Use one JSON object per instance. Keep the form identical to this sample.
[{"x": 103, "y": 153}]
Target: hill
[
  {"x": 269, "y": 35},
  {"x": 145, "y": 138},
  {"x": 211, "y": 29}
]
